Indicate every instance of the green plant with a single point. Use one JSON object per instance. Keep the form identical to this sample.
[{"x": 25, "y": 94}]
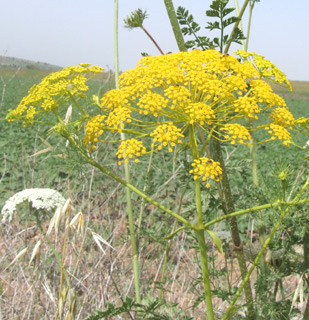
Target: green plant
[
  {"x": 190, "y": 114},
  {"x": 189, "y": 104}
]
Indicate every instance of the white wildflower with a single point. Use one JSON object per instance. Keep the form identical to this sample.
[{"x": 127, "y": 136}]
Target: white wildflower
[
  {"x": 45, "y": 199},
  {"x": 306, "y": 146}
]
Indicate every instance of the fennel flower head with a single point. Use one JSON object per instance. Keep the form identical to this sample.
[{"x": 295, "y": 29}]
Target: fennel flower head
[
  {"x": 40, "y": 199},
  {"x": 173, "y": 99}
]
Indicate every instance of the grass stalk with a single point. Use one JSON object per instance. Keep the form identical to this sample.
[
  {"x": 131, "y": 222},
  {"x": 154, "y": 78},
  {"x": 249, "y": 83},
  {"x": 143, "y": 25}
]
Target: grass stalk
[
  {"x": 127, "y": 174},
  {"x": 243, "y": 45},
  {"x": 249, "y": 25}
]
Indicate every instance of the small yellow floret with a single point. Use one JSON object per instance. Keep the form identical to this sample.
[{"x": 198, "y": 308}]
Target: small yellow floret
[
  {"x": 94, "y": 129},
  {"x": 236, "y": 133},
  {"x": 166, "y": 135},
  {"x": 206, "y": 169},
  {"x": 199, "y": 113},
  {"x": 283, "y": 117},
  {"x": 130, "y": 149},
  {"x": 279, "y": 132}
]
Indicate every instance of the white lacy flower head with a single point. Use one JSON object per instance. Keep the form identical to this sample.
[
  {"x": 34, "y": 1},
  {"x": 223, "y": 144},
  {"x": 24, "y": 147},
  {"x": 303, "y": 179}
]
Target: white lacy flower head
[{"x": 45, "y": 199}]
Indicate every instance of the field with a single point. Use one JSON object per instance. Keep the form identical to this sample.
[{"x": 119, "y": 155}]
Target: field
[{"x": 30, "y": 158}]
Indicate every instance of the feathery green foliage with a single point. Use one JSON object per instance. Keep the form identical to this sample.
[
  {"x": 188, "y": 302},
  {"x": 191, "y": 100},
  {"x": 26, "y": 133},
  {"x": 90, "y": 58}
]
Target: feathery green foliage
[{"x": 217, "y": 10}]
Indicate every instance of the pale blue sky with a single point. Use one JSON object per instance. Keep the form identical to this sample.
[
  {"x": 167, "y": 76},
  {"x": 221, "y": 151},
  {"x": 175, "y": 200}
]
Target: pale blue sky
[{"x": 66, "y": 32}]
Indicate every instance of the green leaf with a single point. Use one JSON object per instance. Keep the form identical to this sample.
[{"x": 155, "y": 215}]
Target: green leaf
[
  {"x": 185, "y": 30},
  {"x": 229, "y": 21},
  {"x": 227, "y": 11},
  {"x": 213, "y": 25},
  {"x": 190, "y": 44},
  {"x": 212, "y": 13},
  {"x": 238, "y": 36},
  {"x": 216, "y": 240},
  {"x": 216, "y": 42}
]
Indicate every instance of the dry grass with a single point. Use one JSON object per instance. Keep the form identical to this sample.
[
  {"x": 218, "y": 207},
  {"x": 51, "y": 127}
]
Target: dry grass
[{"x": 31, "y": 291}]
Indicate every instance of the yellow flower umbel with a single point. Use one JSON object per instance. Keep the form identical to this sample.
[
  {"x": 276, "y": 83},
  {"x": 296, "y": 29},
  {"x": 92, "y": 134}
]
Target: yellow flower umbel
[
  {"x": 236, "y": 133},
  {"x": 94, "y": 129},
  {"x": 166, "y": 135},
  {"x": 172, "y": 100},
  {"x": 206, "y": 169},
  {"x": 266, "y": 68},
  {"x": 130, "y": 149},
  {"x": 54, "y": 91},
  {"x": 279, "y": 132}
]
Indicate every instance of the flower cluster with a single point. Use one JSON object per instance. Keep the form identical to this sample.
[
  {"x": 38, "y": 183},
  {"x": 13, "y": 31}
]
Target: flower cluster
[
  {"x": 236, "y": 133},
  {"x": 171, "y": 99},
  {"x": 93, "y": 129},
  {"x": 206, "y": 169},
  {"x": 279, "y": 132},
  {"x": 266, "y": 68},
  {"x": 53, "y": 92},
  {"x": 166, "y": 135},
  {"x": 40, "y": 199},
  {"x": 130, "y": 149}
]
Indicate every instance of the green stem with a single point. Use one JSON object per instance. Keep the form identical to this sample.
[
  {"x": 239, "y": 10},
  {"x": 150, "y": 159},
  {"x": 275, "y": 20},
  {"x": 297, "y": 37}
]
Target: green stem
[
  {"x": 175, "y": 25},
  {"x": 78, "y": 106},
  {"x": 236, "y": 26},
  {"x": 202, "y": 246},
  {"x": 200, "y": 232},
  {"x": 249, "y": 24},
  {"x": 152, "y": 39},
  {"x": 246, "y": 279},
  {"x": 254, "y": 164},
  {"x": 240, "y": 24},
  {"x": 257, "y": 208},
  {"x": 139, "y": 224},
  {"x": 222, "y": 30},
  {"x": 92, "y": 162},
  {"x": 164, "y": 267},
  {"x": 261, "y": 228},
  {"x": 229, "y": 203},
  {"x": 127, "y": 175}
]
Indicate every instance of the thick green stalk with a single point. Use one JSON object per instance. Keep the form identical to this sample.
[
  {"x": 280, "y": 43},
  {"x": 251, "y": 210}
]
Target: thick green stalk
[
  {"x": 202, "y": 246},
  {"x": 261, "y": 229},
  {"x": 175, "y": 25},
  {"x": 200, "y": 232},
  {"x": 238, "y": 247},
  {"x": 127, "y": 175}
]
